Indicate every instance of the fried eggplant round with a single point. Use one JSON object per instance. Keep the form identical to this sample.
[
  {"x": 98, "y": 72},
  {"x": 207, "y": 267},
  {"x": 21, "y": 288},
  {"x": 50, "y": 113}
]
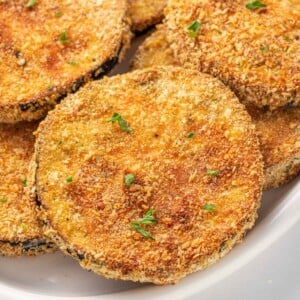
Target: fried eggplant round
[
  {"x": 48, "y": 49},
  {"x": 279, "y": 135},
  {"x": 253, "y": 48},
  {"x": 20, "y": 232},
  {"x": 278, "y": 131},
  {"x": 150, "y": 175},
  {"x": 145, "y": 13}
]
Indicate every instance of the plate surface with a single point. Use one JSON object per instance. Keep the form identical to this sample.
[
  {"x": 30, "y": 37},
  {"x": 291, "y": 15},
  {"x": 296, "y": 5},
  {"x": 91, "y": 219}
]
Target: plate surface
[{"x": 55, "y": 276}]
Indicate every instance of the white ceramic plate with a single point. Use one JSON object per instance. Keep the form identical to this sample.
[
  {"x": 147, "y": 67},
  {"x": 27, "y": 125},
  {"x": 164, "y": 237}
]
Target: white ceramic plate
[{"x": 55, "y": 276}]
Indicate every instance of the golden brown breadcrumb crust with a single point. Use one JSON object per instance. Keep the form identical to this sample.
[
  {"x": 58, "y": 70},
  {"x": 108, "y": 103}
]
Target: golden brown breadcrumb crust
[
  {"x": 145, "y": 13},
  {"x": 53, "y": 48},
  {"x": 192, "y": 144},
  {"x": 20, "y": 233},
  {"x": 278, "y": 131},
  {"x": 154, "y": 51},
  {"x": 279, "y": 135},
  {"x": 255, "y": 52}
]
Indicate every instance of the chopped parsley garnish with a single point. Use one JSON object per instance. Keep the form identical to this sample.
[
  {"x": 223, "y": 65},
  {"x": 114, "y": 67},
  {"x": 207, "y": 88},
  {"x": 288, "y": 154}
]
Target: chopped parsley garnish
[
  {"x": 191, "y": 135},
  {"x": 50, "y": 88},
  {"x": 69, "y": 179},
  {"x": 213, "y": 173},
  {"x": 63, "y": 37},
  {"x": 24, "y": 226},
  {"x": 3, "y": 200},
  {"x": 264, "y": 49},
  {"x": 148, "y": 219},
  {"x": 129, "y": 179},
  {"x": 122, "y": 123},
  {"x": 59, "y": 142},
  {"x": 73, "y": 63},
  {"x": 58, "y": 14},
  {"x": 210, "y": 207},
  {"x": 31, "y": 3},
  {"x": 193, "y": 29},
  {"x": 286, "y": 37},
  {"x": 24, "y": 182},
  {"x": 255, "y": 4}
]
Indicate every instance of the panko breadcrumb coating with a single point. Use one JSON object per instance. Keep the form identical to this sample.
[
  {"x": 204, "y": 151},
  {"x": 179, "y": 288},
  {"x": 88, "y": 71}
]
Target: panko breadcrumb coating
[
  {"x": 279, "y": 135},
  {"x": 145, "y": 13},
  {"x": 154, "y": 51},
  {"x": 20, "y": 233},
  {"x": 278, "y": 131},
  {"x": 255, "y": 52},
  {"x": 54, "y": 47},
  {"x": 150, "y": 175}
]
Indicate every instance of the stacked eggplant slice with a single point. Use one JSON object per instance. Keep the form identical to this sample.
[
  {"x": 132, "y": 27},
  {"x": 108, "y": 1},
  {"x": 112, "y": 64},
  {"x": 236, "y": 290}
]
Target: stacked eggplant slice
[
  {"x": 157, "y": 173},
  {"x": 145, "y": 13}
]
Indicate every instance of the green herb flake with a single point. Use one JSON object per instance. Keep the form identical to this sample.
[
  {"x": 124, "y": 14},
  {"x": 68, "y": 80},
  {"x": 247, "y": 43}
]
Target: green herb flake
[
  {"x": 50, "y": 88},
  {"x": 58, "y": 14},
  {"x": 69, "y": 179},
  {"x": 73, "y": 63},
  {"x": 142, "y": 231},
  {"x": 255, "y": 5},
  {"x": 24, "y": 182},
  {"x": 63, "y": 37},
  {"x": 129, "y": 179},
  {"x": 264, "y": 49},
  {"x": 31, "y": 3},
  {"x": 191, "y": 135},
  {"x": 3, "y": 200},
  {"x": 193, "y": 29},
  {"x": 24, "y": 226},
  {"x": 122, "y": 123},
  {"x": 148, "y": 219},
  {"x": 210, "y": 207},
  {"x": 60, "y": 142},
  {"x": 287, "y": 38},
  {"x": 213, "y": 173}
]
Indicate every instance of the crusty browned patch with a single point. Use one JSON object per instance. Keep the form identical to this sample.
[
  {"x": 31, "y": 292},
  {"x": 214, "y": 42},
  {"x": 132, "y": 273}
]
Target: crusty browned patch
[
  {"x": 20, "y": 233},
  {"x": 90, "y": 216},
  {"x": 53, "y": 48},
  {"x": 254, "y": 52},
  {"x": 145, "y": 13}
]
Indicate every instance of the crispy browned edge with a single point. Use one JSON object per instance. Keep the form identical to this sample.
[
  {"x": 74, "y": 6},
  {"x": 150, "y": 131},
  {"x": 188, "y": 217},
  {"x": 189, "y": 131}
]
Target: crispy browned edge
[
  {"x": 33, "y": 246},
  {"x": 88, "y": 261},
  {"x": 37, "y": 108},
  {"x": 139, "y": 25},
  {"x": 281, "y": 173}
]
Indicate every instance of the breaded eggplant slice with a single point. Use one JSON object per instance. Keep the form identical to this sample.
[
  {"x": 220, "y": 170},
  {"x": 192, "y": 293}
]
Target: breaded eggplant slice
[
  {"x": 20, "y": 233},
  {"x": 51, "y": 48},
  {"x": 256, "y": 52},
  {"x": 170, "y": 146},
  {"x": 278, "y": 131},
  {"x": 145, "y": 13},
  {"x": 154, "y": 51},
  {"x": 279, "y": 135}
]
